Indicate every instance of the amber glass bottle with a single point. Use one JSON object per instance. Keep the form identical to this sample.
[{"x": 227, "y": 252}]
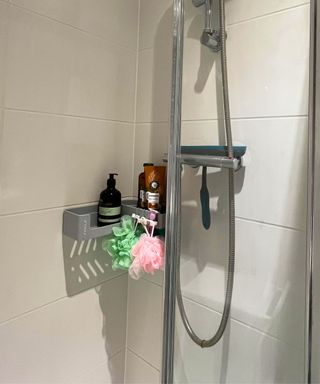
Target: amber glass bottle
[{"x": 142, "y": 198}]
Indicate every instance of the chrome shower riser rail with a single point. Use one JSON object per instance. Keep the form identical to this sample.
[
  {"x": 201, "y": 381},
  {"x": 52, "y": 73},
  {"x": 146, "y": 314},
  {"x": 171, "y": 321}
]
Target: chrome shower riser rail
[
  {"x": 210, "y": 161},
  {"x": 173, "y": 222},
  {"x": 207, "y": 343}
]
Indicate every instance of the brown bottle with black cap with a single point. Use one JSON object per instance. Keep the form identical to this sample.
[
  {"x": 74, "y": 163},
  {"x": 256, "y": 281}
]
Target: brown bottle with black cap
[
  {"x": 109, "y": 209},
  {"x": 142, "y": 190}
]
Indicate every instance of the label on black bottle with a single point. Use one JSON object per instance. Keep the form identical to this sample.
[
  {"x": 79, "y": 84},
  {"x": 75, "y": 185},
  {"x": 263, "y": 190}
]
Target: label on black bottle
[{"x": 109, "y": 215}]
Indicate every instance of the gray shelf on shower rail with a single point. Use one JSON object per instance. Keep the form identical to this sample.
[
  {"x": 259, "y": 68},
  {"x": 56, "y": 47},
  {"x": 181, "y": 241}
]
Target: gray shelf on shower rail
[{"x": 81, "y": 223}]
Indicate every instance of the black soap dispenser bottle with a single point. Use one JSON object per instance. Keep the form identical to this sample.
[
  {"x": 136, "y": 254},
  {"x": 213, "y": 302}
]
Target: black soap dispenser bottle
[{"x": 109, "y": 209}]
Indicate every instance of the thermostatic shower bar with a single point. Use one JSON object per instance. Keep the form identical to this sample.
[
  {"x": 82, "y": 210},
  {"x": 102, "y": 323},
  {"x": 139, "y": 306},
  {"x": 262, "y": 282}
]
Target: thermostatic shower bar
[
  {"x": 210, "y": 161},
  {"x": 215, "y": 156}
]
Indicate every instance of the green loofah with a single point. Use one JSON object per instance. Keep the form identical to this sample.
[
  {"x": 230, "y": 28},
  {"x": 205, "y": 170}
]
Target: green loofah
[{"x": 120, "y": 245}]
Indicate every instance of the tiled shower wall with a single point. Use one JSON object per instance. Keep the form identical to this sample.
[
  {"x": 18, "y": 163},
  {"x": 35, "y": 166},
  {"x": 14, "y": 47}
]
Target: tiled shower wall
[
  {"x": 268, "y": 48},
  {"x": 67, "y": 100}
]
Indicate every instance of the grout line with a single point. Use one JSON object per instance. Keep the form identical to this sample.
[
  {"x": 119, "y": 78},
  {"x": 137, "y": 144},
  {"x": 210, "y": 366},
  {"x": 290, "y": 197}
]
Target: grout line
[
  {"x": 10, "y": 109},
  {"x": 132, "y": 174},
  {"x": 272, "y": 13},
  {"x": 30, "y": 311},
  {"x": 84, "y": 31},
  {"x": 43, "y": 306},
  {"x": 283, "y": 10},
  {"x": 123, "y": 273},
  {"x": 113, "y": 355},
  {"x": 147, "y": 49},
  {"x": 248, "y": 118},
  {"x": 152, "y": 282},
  {"x": 232, "y": 119},
  {"x": 141, "y": 358},
  {"x": 95, "y": 202},
  {"x": 269, "y": 117},
  {"x": 127, "y": 331},
  {"x": 152, "y": 122},
  {"x": 133, "y": 182},
  {"x": 146, "y": 122},
  {"x": 98, "y": 365},
  {"x": 251, "y": 327},
  {"x": 270, "y": 224},
  {"x": 31, "y": 211}
]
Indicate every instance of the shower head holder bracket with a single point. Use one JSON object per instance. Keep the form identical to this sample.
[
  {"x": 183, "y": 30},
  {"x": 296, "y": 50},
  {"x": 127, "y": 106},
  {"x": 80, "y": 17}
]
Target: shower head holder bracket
[{"x": 211, "y": 39}]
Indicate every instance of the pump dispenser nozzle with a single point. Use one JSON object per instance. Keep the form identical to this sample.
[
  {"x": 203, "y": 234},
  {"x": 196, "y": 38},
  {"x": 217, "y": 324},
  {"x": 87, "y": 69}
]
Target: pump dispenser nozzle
[{"x": 111, "y": 181}]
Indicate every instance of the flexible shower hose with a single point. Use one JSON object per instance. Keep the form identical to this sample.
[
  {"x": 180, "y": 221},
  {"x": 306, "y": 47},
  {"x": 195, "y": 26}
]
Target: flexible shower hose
[{"x": 206, "y": 343}]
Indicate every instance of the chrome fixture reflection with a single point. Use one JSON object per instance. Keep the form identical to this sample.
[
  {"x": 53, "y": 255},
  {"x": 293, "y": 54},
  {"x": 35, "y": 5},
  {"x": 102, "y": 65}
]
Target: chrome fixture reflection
[{"x": 210, "y": 37}]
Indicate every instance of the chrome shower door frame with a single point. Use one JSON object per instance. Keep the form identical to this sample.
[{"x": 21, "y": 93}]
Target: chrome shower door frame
[
  {"x": 312, "y": 318},
  {"x": 173, "y": 197}
]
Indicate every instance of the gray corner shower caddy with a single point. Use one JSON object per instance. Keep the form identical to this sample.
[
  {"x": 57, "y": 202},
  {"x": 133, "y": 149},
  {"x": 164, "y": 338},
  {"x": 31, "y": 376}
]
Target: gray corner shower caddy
[
  {"x": 81, "y": 223},
  {"x": 86, "y": 265}
]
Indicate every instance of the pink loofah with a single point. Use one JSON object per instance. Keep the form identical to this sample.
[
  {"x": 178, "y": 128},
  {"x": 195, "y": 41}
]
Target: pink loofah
[{"x": 148, "y": 256}]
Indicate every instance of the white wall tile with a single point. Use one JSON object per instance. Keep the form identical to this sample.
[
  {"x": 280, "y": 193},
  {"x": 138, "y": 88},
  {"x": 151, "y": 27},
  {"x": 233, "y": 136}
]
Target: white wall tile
[
  {"x": 138, "y": 371},
  {"x": 268, "y": 72},
  {"x": 240, "y": 10},
  {"x": 268, "y": 287},
  {"x": 155, "y": 23},
  {"x": 66, "y": 71},
  {"x": 157, "y": 278},
  {"x": 153, "y": 88},
  {"x": 269, "y": 291},
  {"x": 67, "y": 340},
  {"x": 113, "y": 303},
  {"x": 48, "y": 69},
  {"x": 102, "y": 18},
  {"x": 145, "y": 320},
  {"x": 49, "y": 161},
  {"x": 150, "y": 145},
  {"x": 272, "y": 187},
  {"x": 110, "y": 372},
  {"x": 243, "y": 10},
  {"x": 275, "y": 181},
  {"x": 31, "y": 272},
  {"x": 242, "y": 356},
  {"x": 3, "y": 46}
]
